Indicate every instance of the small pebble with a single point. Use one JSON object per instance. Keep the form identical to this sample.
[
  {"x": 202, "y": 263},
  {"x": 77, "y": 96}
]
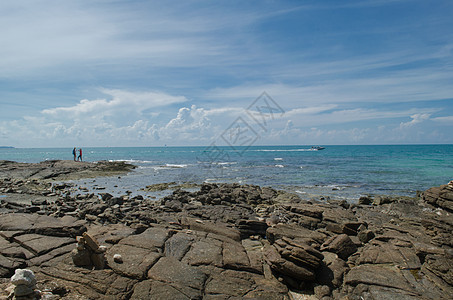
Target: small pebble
[{"x": 118, "y": 258}]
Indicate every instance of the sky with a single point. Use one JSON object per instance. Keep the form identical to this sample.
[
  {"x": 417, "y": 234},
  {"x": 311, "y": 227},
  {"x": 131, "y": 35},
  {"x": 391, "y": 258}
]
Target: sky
[{"x": 151, "y": 73}]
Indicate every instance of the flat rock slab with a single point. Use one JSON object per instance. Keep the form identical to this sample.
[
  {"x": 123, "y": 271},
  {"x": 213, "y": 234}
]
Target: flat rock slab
[
  {"x": 210, "y": 227},
  {"x": 231, "y": 284},
  {"x": 235, "y": 256},
  {"x": 385, "y": 253},
  {"x": 187, "y": 279},
  {"x": 152, "y": 239},
  {"x": 155, "y": 290},
  {"x": 225, "y": 286},
  {"x": 40, "y": 224},
  {"x": 41, "y": 244},
  {"x": 110, "y": 234},
  {"x": 9, "y": 264},
  {"x": 61, "y": 169},
  {"x": 205, "y": 252},
  {"x": 378, "y": 275},
  {"x": 12, "y": 249},
  {"x": 135, "y": 263},
  {"x": 178, "y": 245},
  {"x": 295, "y": 232},
  {"x": 86, "y": 284}
]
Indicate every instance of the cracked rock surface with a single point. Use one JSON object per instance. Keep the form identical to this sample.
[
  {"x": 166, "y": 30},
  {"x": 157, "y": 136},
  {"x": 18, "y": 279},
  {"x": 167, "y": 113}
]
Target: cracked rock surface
[{"x": 229, "y": 241}]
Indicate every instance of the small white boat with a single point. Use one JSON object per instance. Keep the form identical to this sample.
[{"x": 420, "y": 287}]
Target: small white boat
[{"x": 317, "y": 148}]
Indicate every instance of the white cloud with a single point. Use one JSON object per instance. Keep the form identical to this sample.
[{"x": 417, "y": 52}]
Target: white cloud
[
  {"x": 310, "y": 110},
  {"x": 122, "y": 101},
  {"x": 444, "y": 120},
  {"x": 416, "y": 119}
]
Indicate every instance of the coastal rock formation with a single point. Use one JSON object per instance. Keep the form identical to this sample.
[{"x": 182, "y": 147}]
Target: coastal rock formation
[
  {"x": 441, "y": 196},
  {"x": 60, "y": 170},
  {"x": 227, "y": 241}
]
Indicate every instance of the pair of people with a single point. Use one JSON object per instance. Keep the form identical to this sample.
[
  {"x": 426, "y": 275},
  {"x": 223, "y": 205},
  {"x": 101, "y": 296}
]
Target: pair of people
[{"x": 74, "y": 152}]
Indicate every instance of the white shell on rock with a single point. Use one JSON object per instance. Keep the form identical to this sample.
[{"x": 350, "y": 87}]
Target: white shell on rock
[{"x": 117, "y": 258}]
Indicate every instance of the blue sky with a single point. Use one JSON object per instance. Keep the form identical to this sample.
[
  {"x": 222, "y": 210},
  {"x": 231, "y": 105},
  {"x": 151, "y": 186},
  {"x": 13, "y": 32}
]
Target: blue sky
[{"x": 150, "y": 73}]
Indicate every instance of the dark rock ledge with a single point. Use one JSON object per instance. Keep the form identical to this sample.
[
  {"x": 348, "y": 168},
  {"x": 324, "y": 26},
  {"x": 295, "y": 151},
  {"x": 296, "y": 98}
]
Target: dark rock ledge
[{"x": 230, "y": 241}]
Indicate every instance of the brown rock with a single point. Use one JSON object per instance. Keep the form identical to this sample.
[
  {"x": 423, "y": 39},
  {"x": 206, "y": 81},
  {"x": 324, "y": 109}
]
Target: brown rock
[
  {"x": 374, "y": 275},
  {"x": 81, "y": 258},
  {"x": 341, "y": 244},
  {"x": 286, "y": 267},
  {"x": 365, "y": 236},
  {"x": 136, "y": 261},
  {"x": 254, "y": 254},
  {"x": 155, "y": 290},
  {"x": 90, "y": 242},
  {"x": 386, "y": 253},
  {"x": 187, "y": 279},
  {"x": 178, "y": 245},
  {"x": 206, "y": 226},
  {"x": 295, "y": 232},
  {"x": 332, "y": 270},
  {"x": 44, "y": 225},
  {"x": 234, "y": 256},
  {"x": 205, "y": 252},
  {"x": 152, "y": 239},
  {"x": 41, "y": 244},
  {"x": 440, "y": 197}
]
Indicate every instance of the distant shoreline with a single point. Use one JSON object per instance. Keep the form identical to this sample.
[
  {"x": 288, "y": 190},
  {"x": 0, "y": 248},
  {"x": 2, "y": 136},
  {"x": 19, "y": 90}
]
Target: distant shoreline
[
  {"x": 7, "y": 147},
  {"x": 239, "y": 147}
]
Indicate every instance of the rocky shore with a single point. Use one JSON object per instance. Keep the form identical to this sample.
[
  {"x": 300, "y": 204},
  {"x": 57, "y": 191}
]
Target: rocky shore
[{"x": 217, "y": 241}]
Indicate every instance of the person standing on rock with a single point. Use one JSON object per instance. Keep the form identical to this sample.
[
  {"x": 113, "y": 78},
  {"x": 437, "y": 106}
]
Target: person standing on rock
[
  {"x": 74, "y": 151},
  {"x": 80, "y": 155}
]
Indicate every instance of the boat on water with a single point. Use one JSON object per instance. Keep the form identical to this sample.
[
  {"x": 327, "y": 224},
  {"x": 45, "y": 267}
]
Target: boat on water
[{"x": 316, "y": 148}]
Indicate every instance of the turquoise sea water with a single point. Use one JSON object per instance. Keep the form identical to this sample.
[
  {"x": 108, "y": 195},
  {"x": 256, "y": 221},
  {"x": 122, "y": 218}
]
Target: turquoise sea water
[{"x": 341, "y": 172}]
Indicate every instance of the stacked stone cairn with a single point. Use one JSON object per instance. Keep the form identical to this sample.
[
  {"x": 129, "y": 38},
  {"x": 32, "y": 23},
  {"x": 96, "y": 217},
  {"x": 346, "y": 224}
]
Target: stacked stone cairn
[
  {"x": 25, "y": 283},
  {"x": 88, "y": 253}
]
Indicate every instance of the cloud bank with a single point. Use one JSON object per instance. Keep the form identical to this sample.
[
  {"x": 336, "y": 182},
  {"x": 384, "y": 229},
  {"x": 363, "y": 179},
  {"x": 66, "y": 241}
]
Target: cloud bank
[
  {"x": 180, "y": 74},
  {"x": 129, "y": 118}
]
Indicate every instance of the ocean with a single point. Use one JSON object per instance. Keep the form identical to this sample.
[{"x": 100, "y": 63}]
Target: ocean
[{"x": 338, "y": 172}]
